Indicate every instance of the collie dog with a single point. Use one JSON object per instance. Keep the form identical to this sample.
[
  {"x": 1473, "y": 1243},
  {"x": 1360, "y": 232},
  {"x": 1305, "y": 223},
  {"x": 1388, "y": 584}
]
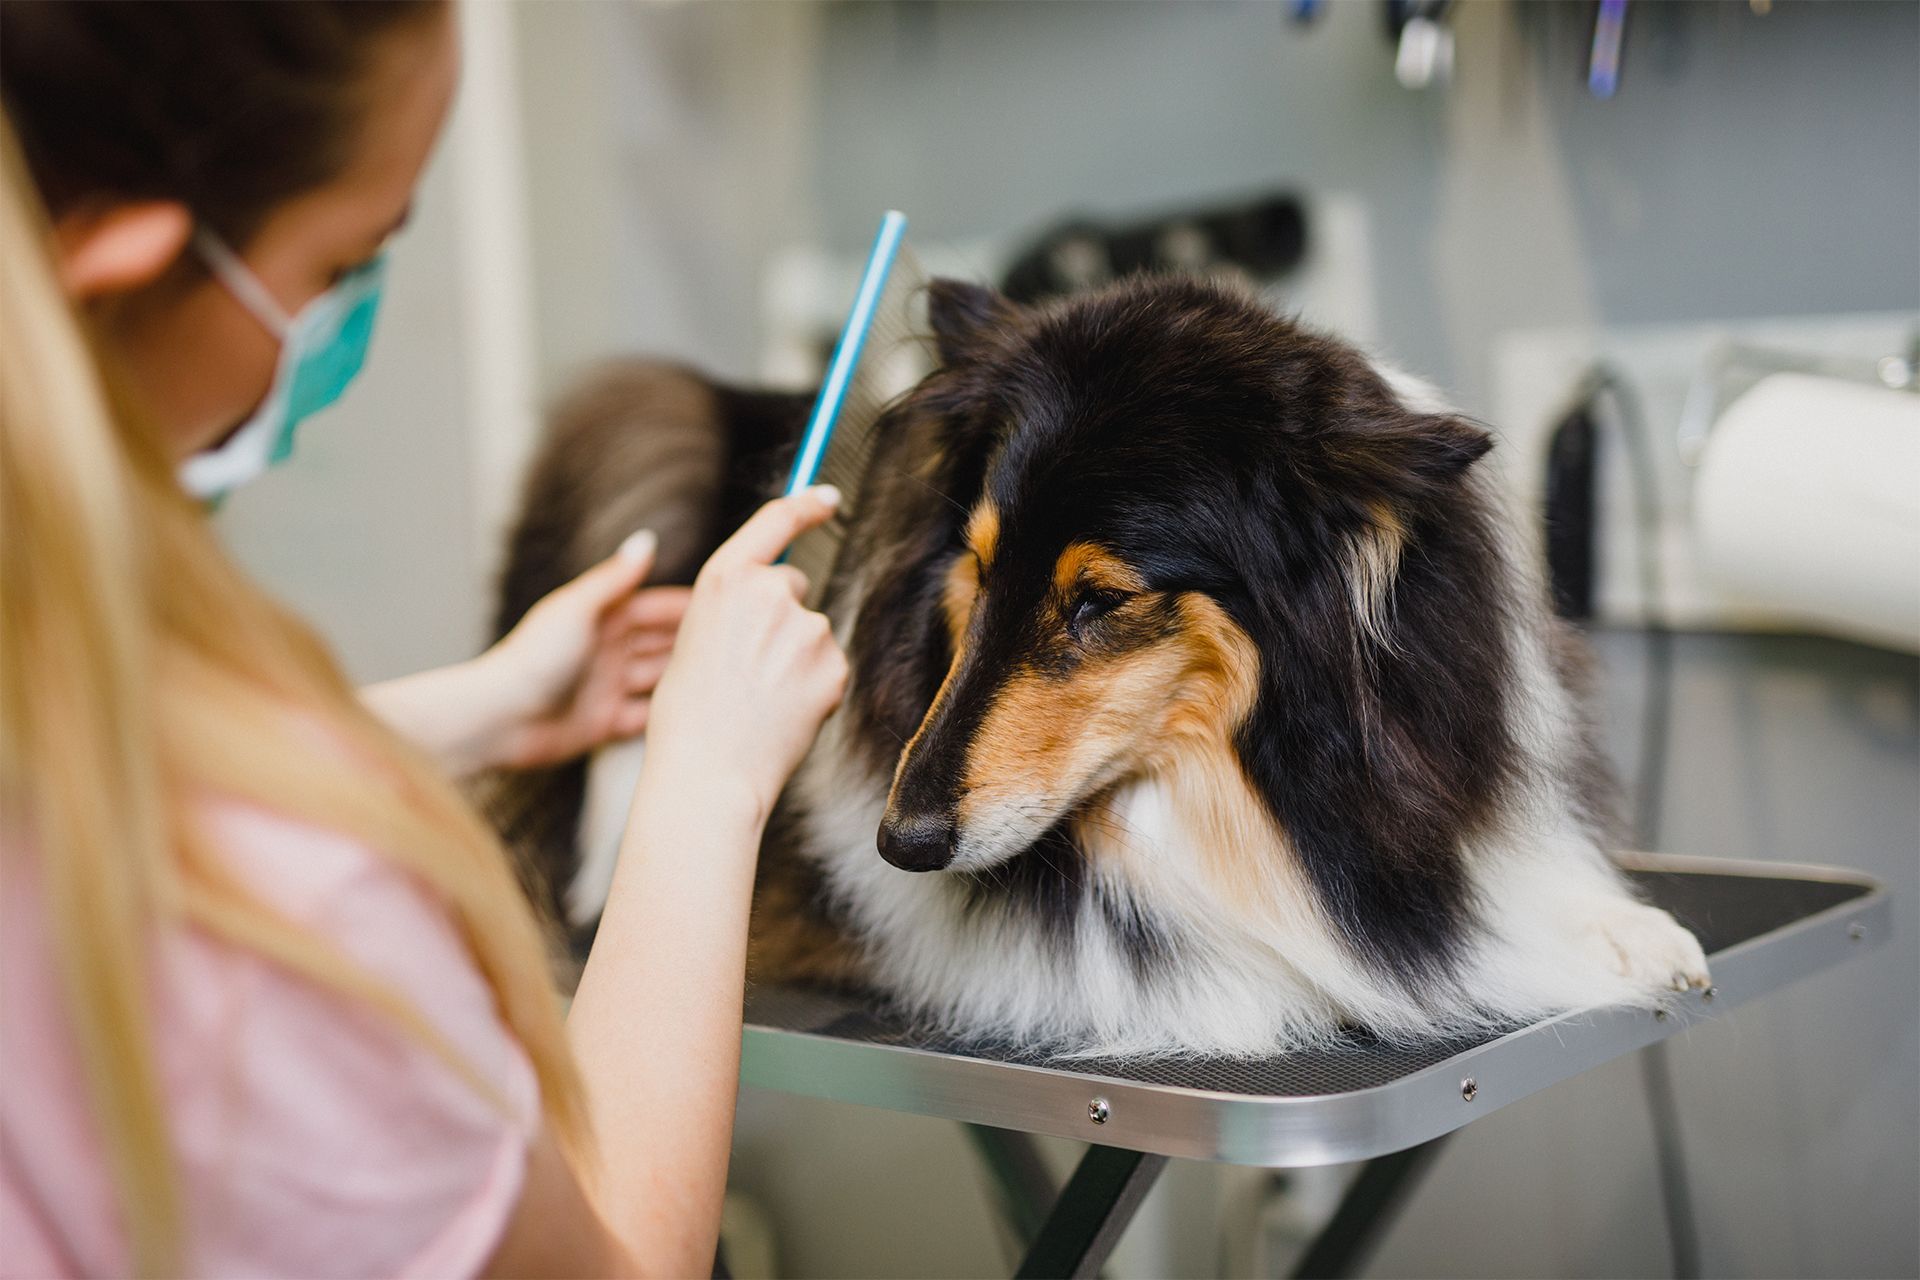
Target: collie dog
[{"x": 1199, "y": 698}]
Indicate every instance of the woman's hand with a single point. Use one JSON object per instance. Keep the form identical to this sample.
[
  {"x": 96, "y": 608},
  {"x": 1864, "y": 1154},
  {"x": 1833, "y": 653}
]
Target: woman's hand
[
  {"x": 755, "y": 672},
  {"x": 577, "y": 672},
  {"x": 580, "y": 668}
]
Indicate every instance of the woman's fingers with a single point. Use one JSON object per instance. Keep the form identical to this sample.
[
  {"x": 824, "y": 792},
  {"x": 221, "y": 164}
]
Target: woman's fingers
[
  {"x": 796, "y": 581},
  {"x": 647, "y": 642},
  {"x": 766, "y": 534},
  {"x": 619, "y": 573},
  {"x": 642, "y": 674},
  {"x": 652, "y": 607},
  {"x": 648, "y": 622},
  {"x": 632, "y": 717}
]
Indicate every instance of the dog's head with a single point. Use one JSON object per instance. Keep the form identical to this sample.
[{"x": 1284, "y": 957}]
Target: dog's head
[{"x": 1153, "y": 520}]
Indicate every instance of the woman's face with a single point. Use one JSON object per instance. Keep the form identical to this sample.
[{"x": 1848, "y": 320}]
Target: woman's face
[{"x": 200, "y": 360}]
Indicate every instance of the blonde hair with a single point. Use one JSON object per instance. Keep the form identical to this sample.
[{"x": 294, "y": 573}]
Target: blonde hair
[{"x": 144, "y": 673}]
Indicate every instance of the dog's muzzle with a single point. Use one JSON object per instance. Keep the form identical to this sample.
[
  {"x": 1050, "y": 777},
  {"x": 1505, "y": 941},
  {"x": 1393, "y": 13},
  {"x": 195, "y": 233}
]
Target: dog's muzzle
[{"x": 918, "y": 842}]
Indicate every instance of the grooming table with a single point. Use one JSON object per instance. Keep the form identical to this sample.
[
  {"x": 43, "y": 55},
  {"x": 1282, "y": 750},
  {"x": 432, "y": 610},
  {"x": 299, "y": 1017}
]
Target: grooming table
[{"x": 1763, "y": 925}]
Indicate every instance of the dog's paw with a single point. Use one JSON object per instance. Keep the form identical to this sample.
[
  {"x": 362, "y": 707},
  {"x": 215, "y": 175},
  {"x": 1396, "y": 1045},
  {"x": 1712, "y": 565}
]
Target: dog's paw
[{"x": 1647, "y": 946}]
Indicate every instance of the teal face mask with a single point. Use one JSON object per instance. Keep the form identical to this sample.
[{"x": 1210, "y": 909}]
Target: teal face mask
[{"x": 321, "y": 349}]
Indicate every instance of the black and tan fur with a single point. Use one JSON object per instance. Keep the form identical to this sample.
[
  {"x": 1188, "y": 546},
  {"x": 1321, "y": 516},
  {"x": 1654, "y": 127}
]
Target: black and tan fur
[{"x": 1197, "y": 701}]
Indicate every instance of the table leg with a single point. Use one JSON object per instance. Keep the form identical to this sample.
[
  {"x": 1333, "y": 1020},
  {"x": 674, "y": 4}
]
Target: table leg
[
  {"x": 1092, "y": 1210},
  {"x": 1365, "y": 1212},
  {"x": 1025, "y": 1186}
]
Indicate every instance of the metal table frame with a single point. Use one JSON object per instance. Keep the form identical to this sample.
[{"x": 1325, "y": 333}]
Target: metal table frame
[{"x": 1135, "y": 1126}]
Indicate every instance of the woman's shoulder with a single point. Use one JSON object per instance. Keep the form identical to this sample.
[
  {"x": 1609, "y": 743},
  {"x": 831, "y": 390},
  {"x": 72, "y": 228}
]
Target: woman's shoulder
[
  {"x": 363, "y": 905},
  {"x": 356, "y": 1122},
  {"x": 301, "y": 870}
]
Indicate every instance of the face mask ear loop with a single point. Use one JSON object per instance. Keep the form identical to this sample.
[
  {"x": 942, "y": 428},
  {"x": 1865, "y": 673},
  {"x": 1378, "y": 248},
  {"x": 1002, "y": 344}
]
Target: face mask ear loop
[{"x": 240, "y": 281}]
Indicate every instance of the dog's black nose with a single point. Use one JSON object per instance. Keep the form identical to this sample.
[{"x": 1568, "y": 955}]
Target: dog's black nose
[{"x": 920, "y": 842}]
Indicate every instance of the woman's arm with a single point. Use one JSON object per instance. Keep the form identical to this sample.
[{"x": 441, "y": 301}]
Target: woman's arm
[
  {"x": 455, "y": 714},
  {"x": 655, "y": 1026},
  {"x": 655, "y": 1022},
  {"x": 575, "y": 673}
]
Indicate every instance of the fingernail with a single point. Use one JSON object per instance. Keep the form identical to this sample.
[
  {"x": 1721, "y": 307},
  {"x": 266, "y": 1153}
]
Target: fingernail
[
  {"x": 640, "y": 546},
  {"x": 827, "y": 493}
]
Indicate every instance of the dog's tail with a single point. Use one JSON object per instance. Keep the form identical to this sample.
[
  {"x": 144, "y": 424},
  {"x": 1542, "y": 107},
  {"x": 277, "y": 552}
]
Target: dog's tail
[{"x": 636, "y": 445}]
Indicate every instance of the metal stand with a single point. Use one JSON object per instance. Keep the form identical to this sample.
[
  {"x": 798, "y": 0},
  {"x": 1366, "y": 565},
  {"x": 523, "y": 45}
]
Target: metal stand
[
  {"x": 1087, "y": 1219},
  {"x": 1365, "y": 1213},
  {"x": 1024, "y": 1186},
  {"x": 1094, "y": 1208}
]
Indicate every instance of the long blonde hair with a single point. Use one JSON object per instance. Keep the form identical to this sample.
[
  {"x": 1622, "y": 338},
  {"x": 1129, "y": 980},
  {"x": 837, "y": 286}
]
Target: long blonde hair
[{"x": 140, "y": 674}]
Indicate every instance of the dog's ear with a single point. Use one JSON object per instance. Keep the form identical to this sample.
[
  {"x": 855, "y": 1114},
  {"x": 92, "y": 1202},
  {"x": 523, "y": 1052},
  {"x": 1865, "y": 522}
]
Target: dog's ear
[
  {"x": 965, "y": 318},
  {"x": 1405, "y": 456}
]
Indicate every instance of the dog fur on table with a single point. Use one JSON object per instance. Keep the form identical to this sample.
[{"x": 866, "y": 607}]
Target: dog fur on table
[{"x": 1200, "y": 698}]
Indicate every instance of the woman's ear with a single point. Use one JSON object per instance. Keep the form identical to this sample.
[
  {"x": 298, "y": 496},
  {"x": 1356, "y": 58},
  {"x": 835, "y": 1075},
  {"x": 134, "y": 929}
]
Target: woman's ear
[
  {"x": 115, "y": 248},
  {"x": 964, "y": 317}
]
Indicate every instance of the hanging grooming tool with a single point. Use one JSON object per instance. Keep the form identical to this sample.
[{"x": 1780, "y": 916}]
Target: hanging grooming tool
[
  {"x": 1572, "y": 511},
  {"x": 879, "y": 356},
  {"x": 1603, "y": 60},
  {"x": 1422, "y": 40}
]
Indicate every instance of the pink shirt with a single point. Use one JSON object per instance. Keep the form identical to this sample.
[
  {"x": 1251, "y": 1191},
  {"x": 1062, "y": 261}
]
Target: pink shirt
[{"x": 312, "y": 1137}]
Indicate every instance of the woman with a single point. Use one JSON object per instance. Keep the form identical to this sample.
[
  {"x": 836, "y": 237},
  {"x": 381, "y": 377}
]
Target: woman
[{"x": 272, "y": 1003}]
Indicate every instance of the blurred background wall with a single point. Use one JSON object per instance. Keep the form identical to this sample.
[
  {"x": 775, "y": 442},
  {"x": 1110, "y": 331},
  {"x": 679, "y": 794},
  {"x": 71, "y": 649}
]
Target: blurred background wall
[{"x": 627, "y": 178}]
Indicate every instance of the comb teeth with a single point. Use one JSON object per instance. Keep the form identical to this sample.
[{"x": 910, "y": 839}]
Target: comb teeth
[{"x": 892, "y": 361}]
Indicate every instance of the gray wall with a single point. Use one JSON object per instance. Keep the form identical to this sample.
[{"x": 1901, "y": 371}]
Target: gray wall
[{"x": 1749, "y": 165}]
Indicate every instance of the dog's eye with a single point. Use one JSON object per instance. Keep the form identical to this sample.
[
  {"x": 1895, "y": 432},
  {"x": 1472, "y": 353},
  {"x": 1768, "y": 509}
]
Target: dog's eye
[{"x": 1089, "y": 608}]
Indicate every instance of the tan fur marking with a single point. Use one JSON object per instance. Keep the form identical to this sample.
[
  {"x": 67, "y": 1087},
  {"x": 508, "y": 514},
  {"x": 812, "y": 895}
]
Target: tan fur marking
[
  {"x": 957, "y": 596},
  {"x": 1238, "y": 843},
  {"x": 1115, "y": 716},
  {"x": 1045, "y": 738},
  {"x": 1221, "y": 672},
  {"x": 983, "y": 531},
  {"x": 1212, "y": 669},
  {"x": 1083, "y": 563},
  {"x": 1376, "y": 563},
  {"x": 1240, "y": 847}
]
